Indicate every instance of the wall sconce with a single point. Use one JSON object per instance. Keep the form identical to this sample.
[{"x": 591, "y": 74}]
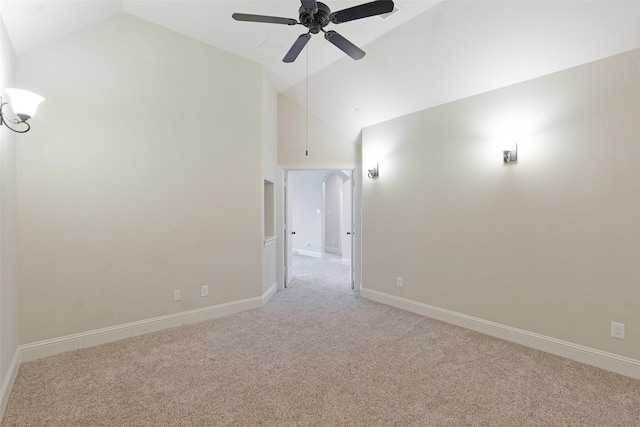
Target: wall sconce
[
  {"x": 373, "y": 173},
  {"x": 24, "y": 104},
  {"x": 510, "y": 156}
]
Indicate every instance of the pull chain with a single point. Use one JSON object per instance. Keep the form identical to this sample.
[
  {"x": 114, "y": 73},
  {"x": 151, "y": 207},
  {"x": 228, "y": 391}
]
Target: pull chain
[{"x": 306, "y": 152}]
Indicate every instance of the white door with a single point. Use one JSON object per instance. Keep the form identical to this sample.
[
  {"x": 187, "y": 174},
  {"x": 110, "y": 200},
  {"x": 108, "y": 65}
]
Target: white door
[
  {"x": 356, "y": 248},
  {"x": 347, "y": 225},
  {"x": 288, "y": 232}
]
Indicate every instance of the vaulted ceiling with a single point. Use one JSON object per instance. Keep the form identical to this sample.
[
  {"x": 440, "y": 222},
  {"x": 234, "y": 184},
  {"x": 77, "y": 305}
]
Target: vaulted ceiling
[{"x": 426, "y": 54}]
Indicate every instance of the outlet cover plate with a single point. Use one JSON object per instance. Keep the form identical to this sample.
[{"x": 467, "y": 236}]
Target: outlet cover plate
[{"x": 617, "y": 330}]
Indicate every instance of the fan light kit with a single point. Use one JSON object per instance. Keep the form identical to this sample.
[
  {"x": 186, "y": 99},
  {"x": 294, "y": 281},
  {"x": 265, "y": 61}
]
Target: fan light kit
[{"x": 315, "y": 16}]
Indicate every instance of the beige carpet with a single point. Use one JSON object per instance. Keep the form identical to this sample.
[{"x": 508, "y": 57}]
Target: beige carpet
[{"x": 318, "y": 356}]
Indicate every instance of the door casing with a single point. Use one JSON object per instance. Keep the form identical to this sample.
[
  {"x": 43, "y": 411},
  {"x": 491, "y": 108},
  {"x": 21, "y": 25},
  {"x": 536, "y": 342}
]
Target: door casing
[{"x": 285, "y": 219}]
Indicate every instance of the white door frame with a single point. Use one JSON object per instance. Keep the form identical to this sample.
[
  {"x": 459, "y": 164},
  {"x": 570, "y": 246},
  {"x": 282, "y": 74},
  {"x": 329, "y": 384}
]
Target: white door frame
[{"x": 356, "y": 215}]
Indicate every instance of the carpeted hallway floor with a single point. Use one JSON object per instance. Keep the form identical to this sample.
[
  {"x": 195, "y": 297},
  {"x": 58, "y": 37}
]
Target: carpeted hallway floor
[
  {"x": 318, "y": 355},
  {"x": 328, "y": 271}
]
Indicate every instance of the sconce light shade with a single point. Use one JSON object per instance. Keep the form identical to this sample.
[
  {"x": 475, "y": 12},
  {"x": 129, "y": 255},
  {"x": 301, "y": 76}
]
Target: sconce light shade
[
  {"x": 510, "y": 156},
  {"x": 24, "y": 103},
  {"x": 373, "y": 173}
]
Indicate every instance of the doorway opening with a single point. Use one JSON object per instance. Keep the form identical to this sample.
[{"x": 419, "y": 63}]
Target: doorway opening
[{"x": 319, "y": 228}]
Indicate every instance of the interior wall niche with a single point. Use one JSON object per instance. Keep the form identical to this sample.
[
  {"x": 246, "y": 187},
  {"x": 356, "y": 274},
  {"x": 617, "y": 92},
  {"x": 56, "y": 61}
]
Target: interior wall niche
[{"x": 269, "y": 212}]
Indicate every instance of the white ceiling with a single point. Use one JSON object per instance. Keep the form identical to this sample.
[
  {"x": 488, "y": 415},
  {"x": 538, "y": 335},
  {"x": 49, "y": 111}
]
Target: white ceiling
[
  {"x": 429, "y": 53},
  {"x": 32, "y": 23}
]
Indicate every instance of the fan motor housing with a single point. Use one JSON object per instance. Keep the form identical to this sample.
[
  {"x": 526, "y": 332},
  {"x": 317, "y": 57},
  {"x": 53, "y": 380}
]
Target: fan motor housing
[{"x": 318, "y": 20}]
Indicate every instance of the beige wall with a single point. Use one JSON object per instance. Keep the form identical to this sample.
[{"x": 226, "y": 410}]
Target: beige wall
[
  {"x": 269, "y": 131},
  {"x": 326, "y": 146},
  {"x": 142, "y": 176},
  {"x": 8, "y": 249},
  {"x": 550, "y": 244}
]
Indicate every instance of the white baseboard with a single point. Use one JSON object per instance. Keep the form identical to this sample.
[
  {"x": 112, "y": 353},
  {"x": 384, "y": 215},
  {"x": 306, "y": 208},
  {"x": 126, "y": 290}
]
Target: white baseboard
[
  {"x": 7, "y": 384},
  {"x": 307, "y": 253},
  {"x": 269, "y": 293},
  {"x": 590, "y": 356},
  {"x": 40, "y": 349}
]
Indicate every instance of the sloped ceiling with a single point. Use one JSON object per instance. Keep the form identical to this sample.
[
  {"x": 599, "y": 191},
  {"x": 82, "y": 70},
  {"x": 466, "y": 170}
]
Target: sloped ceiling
[{"x": 427, "y": 54}]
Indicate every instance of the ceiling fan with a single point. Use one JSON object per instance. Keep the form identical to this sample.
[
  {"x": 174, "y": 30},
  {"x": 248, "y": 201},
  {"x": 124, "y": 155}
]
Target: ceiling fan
[{"x": 315, "y": 16}]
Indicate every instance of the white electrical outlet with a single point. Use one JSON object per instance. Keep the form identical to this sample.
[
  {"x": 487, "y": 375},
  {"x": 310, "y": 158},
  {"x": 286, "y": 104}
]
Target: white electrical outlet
[
  {"x": 617, "y": 330},
  {"x": 399, "y": 282},
  {"x": 176, "y": 295},
  {"x": 204, "y": 290}
]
